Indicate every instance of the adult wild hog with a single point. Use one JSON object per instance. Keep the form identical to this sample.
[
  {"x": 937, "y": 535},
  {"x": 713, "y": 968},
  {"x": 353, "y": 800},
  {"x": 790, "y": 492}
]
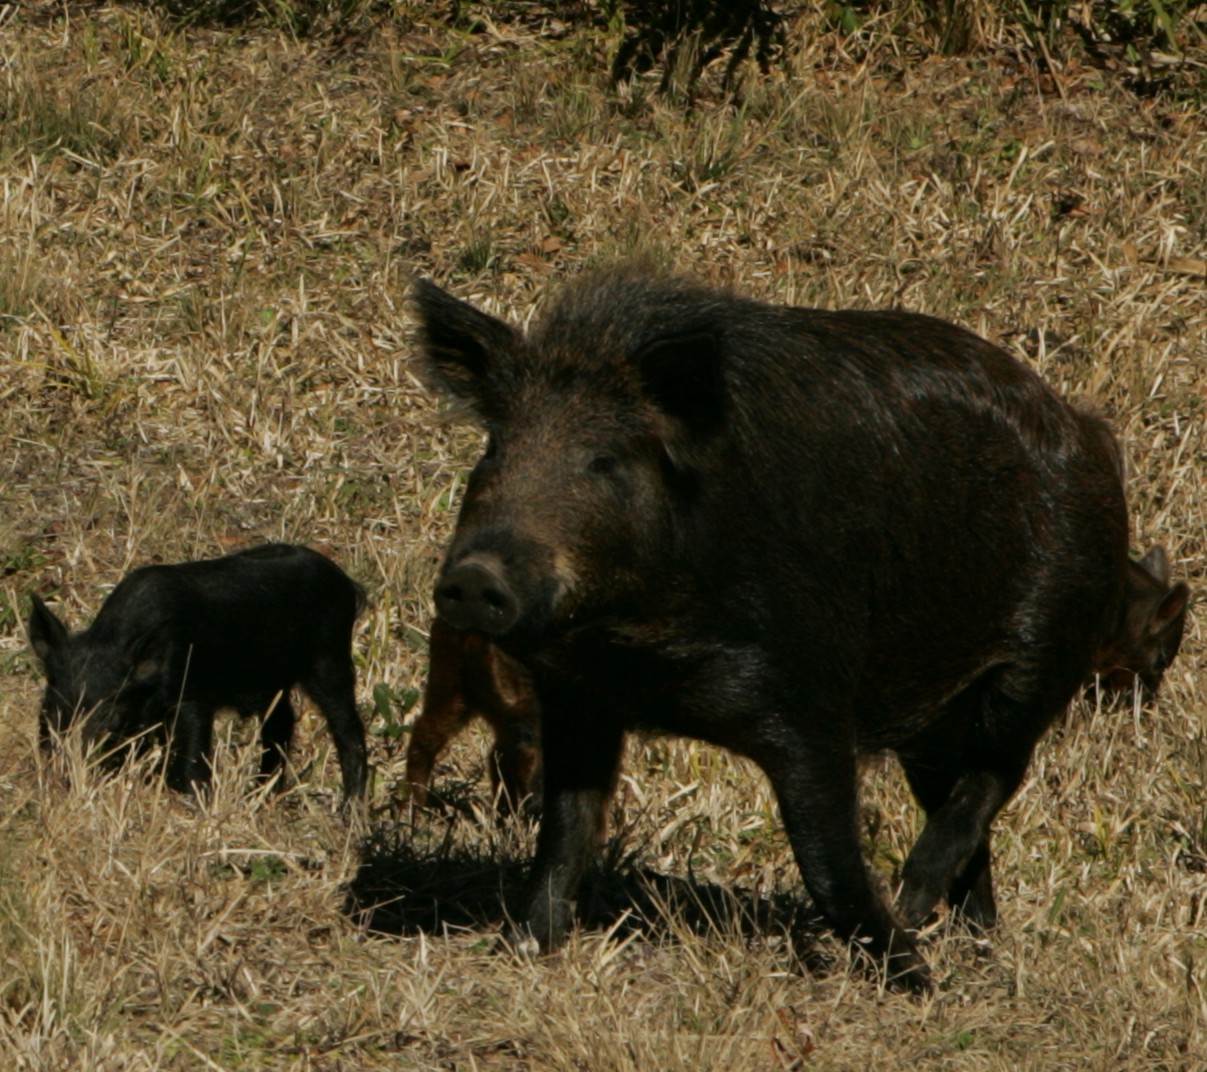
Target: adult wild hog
[
  {"x": 471, "y": 676},
  {"x": 1148, "y": 630},
  {"x": 171, "y": 644},
  {"x": 798, "y": 534}
]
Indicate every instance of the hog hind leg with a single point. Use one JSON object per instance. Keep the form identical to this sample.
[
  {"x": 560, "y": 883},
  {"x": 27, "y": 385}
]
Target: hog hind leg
[
  {"x": 932, "y": 767},
  {"x": 445, "y": 714},
  {"x": 276, "y": 734},
  {"x": 515, "y": 760},
  {"x": 331, "y": 684},
  {"x": 951, "y": 857}
]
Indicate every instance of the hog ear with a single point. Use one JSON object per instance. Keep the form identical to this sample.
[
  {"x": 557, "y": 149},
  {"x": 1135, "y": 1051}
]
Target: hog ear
[
  {"x": 683, "y": 376},
  {"x": 1170, "y": 617},
  {"x": 459, "y": 342},
  {"x": 46, "y": 633},
  {"x": 1155, "y": 564},
  {"x": 146, "y": 655}
]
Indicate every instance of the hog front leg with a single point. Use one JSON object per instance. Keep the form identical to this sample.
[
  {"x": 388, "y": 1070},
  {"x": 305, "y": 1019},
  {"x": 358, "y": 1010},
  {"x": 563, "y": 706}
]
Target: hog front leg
[
  {"x": 190, "y": 746},
  {"x": 582, "y": 757}
]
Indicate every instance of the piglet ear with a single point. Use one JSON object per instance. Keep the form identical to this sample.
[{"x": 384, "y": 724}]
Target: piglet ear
[
  {"x": 683, "y": 376},
  {"x": 1155, "y": 564},
  {"x": 1170, "y": 617},
  {"x": 147, "y": 654},
  {"x": 459, "y": 343},
  {"x": 46, "y": 633}
]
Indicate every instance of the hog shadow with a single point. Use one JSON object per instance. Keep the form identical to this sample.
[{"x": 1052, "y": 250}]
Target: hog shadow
[{"x": 405, "y": 887}]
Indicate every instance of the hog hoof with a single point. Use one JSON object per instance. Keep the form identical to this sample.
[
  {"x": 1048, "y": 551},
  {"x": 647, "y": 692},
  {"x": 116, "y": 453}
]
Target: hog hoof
[
  {"x": 522, "y": 942},
  {"x": 902, "y": 969},
  {"x": 528, "y": 947},
  {"x": 916, "y": 902},
  {"x": 909, "y": 973},
  {"x": 978, "y": 915}
]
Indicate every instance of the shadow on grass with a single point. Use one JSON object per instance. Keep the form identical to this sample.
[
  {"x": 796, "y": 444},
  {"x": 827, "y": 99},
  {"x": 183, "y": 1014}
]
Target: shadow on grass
[{"x": 406, "y": 885}]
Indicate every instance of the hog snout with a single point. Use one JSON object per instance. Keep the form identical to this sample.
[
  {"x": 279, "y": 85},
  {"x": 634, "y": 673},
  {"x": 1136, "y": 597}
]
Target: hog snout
[{"x": 474, "y": 595}]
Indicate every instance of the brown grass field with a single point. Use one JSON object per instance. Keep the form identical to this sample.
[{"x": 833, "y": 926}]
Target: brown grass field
[{"x": 206, "y": 237}]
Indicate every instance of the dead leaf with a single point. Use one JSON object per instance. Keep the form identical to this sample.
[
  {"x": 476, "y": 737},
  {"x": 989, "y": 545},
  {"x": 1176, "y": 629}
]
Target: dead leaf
[{"x": 1186, "y": 266}]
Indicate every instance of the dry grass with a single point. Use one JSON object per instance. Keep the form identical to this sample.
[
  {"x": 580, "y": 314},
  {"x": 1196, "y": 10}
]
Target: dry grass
[{"x": 206, "y": 239}]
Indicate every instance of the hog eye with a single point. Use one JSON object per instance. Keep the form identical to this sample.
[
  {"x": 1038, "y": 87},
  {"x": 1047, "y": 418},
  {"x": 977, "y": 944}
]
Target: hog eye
[{"x": 602, "y": 463}]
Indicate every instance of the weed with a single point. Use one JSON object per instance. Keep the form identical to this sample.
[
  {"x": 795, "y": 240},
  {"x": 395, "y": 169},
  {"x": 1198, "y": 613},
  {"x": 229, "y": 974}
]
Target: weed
[{"x": 39, "y": 119}]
